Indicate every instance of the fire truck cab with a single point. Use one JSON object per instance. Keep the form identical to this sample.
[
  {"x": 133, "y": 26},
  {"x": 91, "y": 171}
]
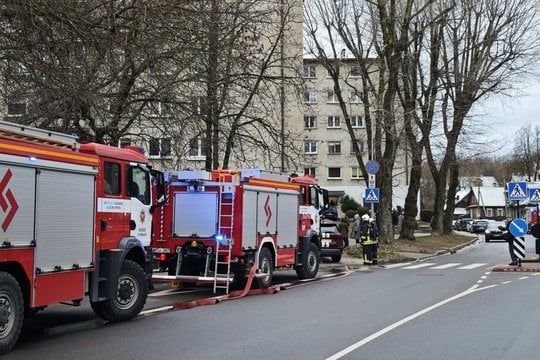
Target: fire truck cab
[
  {"x": 216, "y": 225},
  {"x": 75, "y": 221}
]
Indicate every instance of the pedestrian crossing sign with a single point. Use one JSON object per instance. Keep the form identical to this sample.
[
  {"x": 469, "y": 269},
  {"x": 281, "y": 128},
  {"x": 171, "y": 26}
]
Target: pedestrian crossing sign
[
  {"x": 534, "y": 195},
  {"x": 517, "y": 190},
  {"x": 371, "y": 196}
]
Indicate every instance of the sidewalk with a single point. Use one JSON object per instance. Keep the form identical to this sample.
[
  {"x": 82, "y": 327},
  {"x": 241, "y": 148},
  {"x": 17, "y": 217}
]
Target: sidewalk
[{"x": 530, "y": 264}]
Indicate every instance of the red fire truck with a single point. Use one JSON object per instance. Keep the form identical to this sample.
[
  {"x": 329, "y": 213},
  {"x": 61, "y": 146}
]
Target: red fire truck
[
  {"x": 216, "y": 225},
  {"x": 75, "y": 220}
]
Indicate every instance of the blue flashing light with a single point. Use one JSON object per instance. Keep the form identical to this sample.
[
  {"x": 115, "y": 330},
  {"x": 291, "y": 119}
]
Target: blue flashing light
[{"x": 32, "y": 159}]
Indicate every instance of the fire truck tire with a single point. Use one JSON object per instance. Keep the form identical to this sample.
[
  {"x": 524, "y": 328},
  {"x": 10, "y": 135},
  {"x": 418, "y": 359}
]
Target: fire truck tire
[
  {"x": 11, "y": 312},
  {"x": 130, "y": 296},
  {"x": 266, "y": 266},
  {"x": 310, "y": 263}
]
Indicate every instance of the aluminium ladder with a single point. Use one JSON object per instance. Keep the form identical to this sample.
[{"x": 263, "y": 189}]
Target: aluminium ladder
[{"x": 224, "y": 246}]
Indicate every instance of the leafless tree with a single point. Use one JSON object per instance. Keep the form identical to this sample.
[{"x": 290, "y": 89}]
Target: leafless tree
[
  {"x": 486, "y": 45},
  {"x": 527, "y": 151},
  {"x": 176, "y": 69},
  {"x": 377, "y": 34}
]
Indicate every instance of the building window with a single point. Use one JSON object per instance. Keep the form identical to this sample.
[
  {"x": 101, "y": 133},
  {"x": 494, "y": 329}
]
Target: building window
[
  {"x": 334, "y": 147},
  {"x": 334, "y": 122},
  {"x": 198, "y": 105},
  {"x": 16, "y": 107},
  {"x": 310, "y": 97},
  {"x": 357, "y": 121},
  {"x": 310, "y": 147},
  {"x": 355, "y": 98},
  {"x": 310, "y": 71},
  {"x": 160, "y": 147},
  {"x": 334, "y": 173},
  {"x": 332, "y": 97},
  {"x": 356, "y": 173},
  {"x": 309, "y": 171},
  {"x": 360, "y": 145},
  {"x": 356, "y": 71},
  {"x": 156, "y": 109},
  {"x": 489, "y": 212},
  {"x": 196, "y": 151},
  {"x": 310, "y": 121},
  {"x": 500, "y": 212}
]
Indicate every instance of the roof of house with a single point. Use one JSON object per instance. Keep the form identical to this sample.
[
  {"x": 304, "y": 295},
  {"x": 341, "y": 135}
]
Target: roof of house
[{"x": 489, "y": 196}]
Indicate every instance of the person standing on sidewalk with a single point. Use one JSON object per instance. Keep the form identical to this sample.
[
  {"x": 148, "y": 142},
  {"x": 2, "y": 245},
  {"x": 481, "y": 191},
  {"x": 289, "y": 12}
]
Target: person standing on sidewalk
[
  {"x": 355, "y": 233},
  {"x": 343, "y": 228}
]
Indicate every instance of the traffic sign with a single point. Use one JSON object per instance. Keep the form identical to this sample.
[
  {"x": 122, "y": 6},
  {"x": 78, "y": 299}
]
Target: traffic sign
[
  {"x": 518, "y": 227},
  {"x": 372, "y": 167},
  {"x": 371, "y": 180},
  {"x": 534, "y": 195},
  {"x": 517, "y": 190},
  {"x": 371, "y": 196}
]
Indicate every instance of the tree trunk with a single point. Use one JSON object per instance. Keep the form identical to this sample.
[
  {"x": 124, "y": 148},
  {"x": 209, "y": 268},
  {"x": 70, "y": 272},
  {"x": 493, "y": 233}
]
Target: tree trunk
[{"x": 411, "y": 200}]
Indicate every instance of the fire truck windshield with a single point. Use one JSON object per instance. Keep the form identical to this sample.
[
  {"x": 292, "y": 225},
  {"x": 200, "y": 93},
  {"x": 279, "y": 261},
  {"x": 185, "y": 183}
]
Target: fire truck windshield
[{"x": 138, "y": 184}]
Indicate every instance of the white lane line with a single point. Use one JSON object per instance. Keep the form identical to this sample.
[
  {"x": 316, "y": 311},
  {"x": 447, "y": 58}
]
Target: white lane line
[
  {"x": 397, "y": 324},
  {"x": 160, "y": 309},
  {"x": 445, "y": 266},
  {"x": 523, "y": 278},
  {"x": 418, "y": 266},
  {"x": 506, "y": 282},
  {"x": 471, "y": 266}
]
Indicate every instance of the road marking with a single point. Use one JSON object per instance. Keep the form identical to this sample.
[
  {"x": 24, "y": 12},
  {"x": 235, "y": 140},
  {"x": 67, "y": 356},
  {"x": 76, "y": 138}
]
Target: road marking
[
  {"x": 403, "y": 321},
  {"x": 472, "y": 266},
  {"x": 445, "y": 266},
  {"x": 523, "y": 278},
  {"x": 167, "y": 292},
  {"x": 418, "y": 266}
]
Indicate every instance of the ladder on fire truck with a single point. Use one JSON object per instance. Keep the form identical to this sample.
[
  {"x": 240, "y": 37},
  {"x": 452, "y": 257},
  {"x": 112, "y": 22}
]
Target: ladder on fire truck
[
  {"x": 222, "y": 266},
  {"x": 37, "y": 136}
]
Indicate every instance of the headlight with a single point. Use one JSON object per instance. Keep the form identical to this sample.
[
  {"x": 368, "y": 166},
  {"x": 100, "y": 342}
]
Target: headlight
[{"x": 488, "y": 231}]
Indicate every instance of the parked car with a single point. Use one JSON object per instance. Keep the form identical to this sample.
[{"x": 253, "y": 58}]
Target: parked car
[
  {"x": 478, "y": 226},
  {"x": 330, "y": 213},
  {"x": 332, "y": 242},
  {"x": 461, "y": 224},
  {"x": 493, "y": 232}
]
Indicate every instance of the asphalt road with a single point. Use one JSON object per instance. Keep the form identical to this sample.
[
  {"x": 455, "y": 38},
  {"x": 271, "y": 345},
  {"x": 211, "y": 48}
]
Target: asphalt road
[{"x": 448, "y": 307}]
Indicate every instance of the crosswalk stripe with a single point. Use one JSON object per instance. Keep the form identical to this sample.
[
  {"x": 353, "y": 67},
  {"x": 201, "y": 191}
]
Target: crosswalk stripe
[
  {"x": 445, "y": 266},
  {"x": 472, "y": 266},
  {"x": 418, "y": 266}
]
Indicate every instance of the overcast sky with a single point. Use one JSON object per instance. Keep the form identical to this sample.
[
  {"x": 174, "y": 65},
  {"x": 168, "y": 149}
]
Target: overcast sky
[{"x": 503, "y": 116}]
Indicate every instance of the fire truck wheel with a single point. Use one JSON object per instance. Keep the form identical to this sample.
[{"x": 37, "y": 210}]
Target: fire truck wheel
[
  {"x": 310, "y": 263},
  {"x": 11, "y": 312},
  {"x": 130, "y": 296},
  {"x": 265, "y": 267}
]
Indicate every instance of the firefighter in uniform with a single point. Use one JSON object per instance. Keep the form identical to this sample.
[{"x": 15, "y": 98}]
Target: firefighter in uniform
[
  {"x": 374, "y": 238},
  {"x": 365, "y": 240}
]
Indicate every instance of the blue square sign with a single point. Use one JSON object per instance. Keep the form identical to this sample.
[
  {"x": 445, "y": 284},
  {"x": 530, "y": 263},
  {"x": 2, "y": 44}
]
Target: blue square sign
[
  {"x": 517, "y": 191},
  {"x": 371, "y": 196}
]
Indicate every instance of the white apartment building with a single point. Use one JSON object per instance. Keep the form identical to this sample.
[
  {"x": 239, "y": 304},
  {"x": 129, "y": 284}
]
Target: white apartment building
[{"x": 327, "y": 146}]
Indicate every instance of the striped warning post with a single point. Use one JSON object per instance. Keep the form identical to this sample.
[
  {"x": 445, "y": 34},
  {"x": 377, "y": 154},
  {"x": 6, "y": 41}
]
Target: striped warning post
[{"x": 519, "y": 246}]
